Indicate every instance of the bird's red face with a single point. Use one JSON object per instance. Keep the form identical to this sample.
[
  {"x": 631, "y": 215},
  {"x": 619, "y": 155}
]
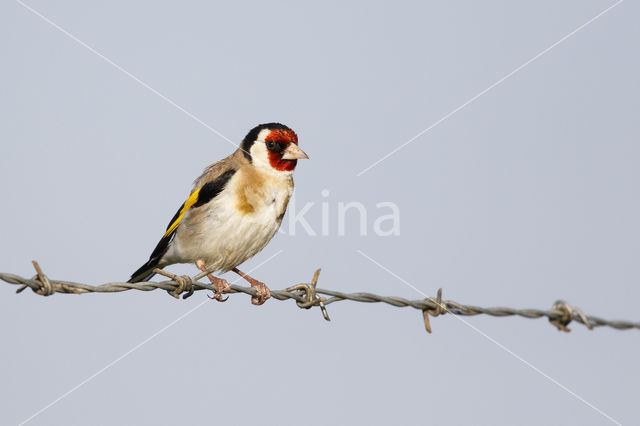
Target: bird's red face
[{"x": 283, "y": 150}]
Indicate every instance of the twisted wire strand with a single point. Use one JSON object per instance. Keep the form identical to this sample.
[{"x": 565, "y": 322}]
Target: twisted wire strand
[{"x": 306, "y": 296}]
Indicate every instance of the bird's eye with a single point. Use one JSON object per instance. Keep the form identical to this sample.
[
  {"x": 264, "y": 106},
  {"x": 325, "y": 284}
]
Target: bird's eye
[{"x": 271, "y": 145}]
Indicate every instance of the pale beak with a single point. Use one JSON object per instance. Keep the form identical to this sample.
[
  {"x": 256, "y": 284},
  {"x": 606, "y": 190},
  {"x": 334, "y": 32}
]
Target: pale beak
[{"x": 293, "y": 152}]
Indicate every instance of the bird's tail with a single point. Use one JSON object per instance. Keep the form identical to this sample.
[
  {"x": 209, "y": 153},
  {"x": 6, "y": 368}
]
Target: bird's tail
[{"x": 145, "y": 272}]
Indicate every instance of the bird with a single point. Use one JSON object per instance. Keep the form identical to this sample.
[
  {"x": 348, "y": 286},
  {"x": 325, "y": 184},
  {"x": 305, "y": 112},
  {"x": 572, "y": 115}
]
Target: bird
[{"x": 234, "y": 209}]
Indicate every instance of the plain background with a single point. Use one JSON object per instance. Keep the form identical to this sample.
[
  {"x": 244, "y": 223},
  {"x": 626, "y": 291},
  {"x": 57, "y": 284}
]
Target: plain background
[{"x": 528, "y": 195}]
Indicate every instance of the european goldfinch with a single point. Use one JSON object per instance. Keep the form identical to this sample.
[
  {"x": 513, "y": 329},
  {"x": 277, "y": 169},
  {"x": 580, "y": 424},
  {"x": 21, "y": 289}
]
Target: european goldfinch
[{"x": 235, "y": 208}]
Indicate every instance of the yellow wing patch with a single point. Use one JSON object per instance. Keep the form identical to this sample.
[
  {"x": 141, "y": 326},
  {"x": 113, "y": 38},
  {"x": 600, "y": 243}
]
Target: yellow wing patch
[{"x": 193, "y": 198}]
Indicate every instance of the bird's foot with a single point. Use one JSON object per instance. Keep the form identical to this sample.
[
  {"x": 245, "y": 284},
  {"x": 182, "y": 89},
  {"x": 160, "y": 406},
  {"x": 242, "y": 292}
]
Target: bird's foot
[
  {"x": 262, "y": 291},
  {"x": 222, "y": 286}
]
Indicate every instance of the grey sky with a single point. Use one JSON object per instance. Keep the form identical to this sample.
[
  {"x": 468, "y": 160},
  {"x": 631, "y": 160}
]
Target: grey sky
[{"x": 526, "y": 196}]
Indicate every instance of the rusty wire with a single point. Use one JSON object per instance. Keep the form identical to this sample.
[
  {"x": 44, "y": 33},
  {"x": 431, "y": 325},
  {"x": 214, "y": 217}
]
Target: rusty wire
[{"x": 306, "y": 295}]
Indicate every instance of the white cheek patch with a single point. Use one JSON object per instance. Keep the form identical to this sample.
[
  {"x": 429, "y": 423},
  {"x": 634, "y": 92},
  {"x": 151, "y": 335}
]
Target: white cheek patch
[{"x": 259, "y": 152}]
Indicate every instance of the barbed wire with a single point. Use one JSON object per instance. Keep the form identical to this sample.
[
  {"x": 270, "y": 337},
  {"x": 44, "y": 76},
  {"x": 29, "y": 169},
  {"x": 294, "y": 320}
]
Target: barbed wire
[{"x": 306, "y": 295}]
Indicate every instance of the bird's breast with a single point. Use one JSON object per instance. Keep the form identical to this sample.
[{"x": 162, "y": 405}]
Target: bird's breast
[{"x": 261, "y": 195}]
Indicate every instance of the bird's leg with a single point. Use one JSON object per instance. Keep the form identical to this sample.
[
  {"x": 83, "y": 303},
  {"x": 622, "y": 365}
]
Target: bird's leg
[
  {"x": 222, "y": 286},
  {"x": 262, "y": 290}
]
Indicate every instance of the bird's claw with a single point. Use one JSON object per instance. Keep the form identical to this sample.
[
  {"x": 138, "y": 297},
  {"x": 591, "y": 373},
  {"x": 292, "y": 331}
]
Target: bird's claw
[
  {"x": 262, "y": 293},
  {"x": 222, "y": 286},
  {"x": 218, "y": 296}
]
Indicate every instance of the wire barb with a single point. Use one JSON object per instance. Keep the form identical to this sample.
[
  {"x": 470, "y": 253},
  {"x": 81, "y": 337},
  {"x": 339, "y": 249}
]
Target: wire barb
[
  {"x": 307, "y": 295},
  {"x": 47, "y": 288},
  {"x": 438, "y": 309},
  {"x": 184, "y": 283},
  {"x": 310, "y": 296},
  {"x": 568, "y": 314}
]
